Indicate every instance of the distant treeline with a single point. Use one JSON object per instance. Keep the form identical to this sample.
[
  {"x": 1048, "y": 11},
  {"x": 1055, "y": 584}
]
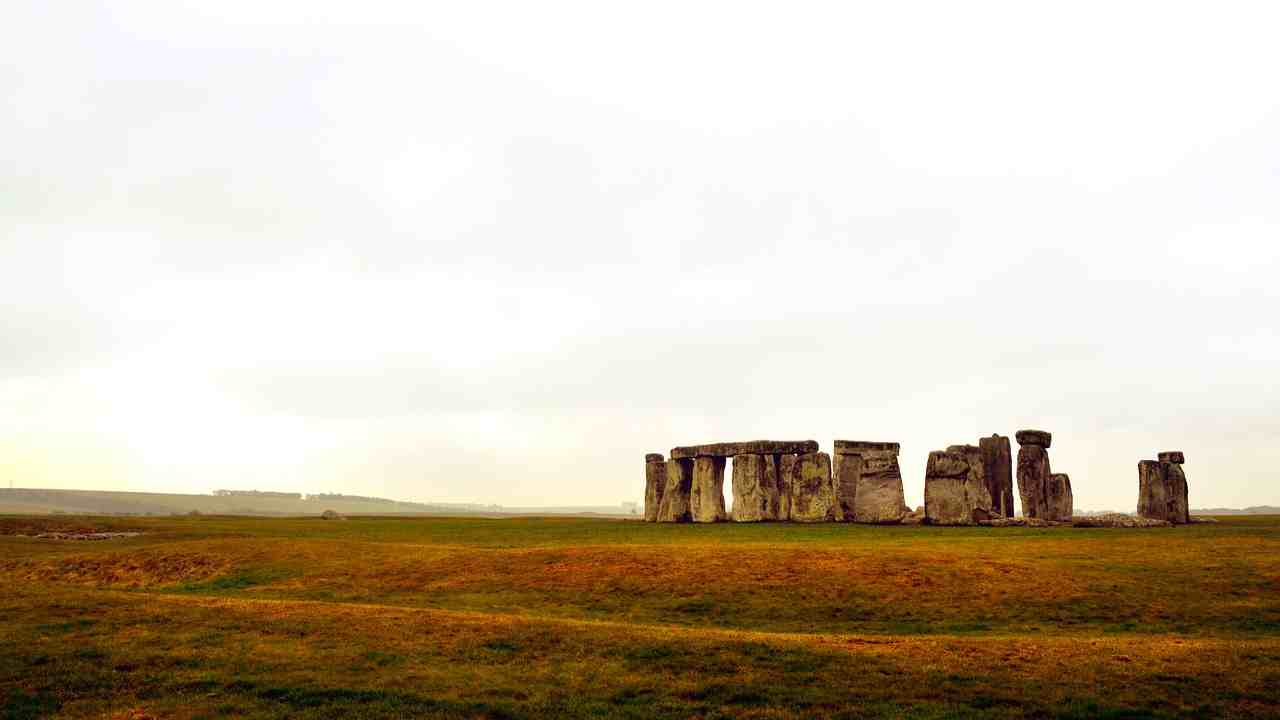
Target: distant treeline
[
  {"x": 257, "y": 493},
  {"x": 361, "y": 498}
]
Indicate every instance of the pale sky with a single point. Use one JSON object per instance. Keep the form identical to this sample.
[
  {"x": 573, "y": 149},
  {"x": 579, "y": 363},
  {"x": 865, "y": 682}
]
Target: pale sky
[{"x": 497, "y": 252}]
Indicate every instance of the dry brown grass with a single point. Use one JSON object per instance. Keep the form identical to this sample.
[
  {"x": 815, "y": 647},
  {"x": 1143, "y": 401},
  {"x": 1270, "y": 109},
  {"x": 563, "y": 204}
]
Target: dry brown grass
[{"x": 711, "y": 622}]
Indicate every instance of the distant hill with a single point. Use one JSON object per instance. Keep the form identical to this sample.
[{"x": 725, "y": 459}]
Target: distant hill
[
  {"x": 1255, "y": 510},
  {"x": 30, "y": 501}
]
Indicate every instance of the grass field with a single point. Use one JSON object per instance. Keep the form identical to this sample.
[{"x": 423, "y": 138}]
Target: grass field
[{"x": 447, "y": 617}]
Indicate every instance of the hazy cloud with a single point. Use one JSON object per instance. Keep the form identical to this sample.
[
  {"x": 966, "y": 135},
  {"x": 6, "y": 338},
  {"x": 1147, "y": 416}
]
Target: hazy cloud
[{"x": 497, "y": 252}]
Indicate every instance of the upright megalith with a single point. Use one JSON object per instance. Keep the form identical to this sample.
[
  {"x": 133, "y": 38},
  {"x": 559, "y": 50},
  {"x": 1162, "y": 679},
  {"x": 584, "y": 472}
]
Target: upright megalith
[
  {"x": 655, "y": 484},
  {"x": 706, "y": 499},
  {"x": 1152, "y": 497},
  {"x": 675, "y": 504},
  {"x": 1033, "y": 472},
  {"x": 1162, "y": 489},
  {"x": 997, "y": 470},
  {"x": 955, "y": 492},
  {"x": 1059, "y": 502},
  {"x": 1176, "y": 484},
  {"x": 868, "y": 482},
  {"x": 813, "y": 497},
  {"x": 756, "y": 491}
]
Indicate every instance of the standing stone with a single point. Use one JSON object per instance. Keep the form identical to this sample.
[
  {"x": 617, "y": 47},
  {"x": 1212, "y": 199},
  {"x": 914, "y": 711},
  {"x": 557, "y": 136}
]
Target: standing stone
[
  {"x": 706, "y": 500},
  {"x": 1179, "y": 511},
  {"x": 655, "y": 484},
  {"x": 977, "y": 487},
  {"x": 755, "y": 489},
  {"x": 1033, "y": 472},
  {"x": 786, "y": 466},
  {"x": 1153, "y": 501},
  {"x": 675, "y": 504},
  {"x": 813, "y": 496},
  {"x": 954, "y": 490},
  {"x": 868, "y": 482},
  {"x": 997, "y": 469},
  {"x": 1059, "y": 501},
  {"x": 846, "y": 470},
  {"x": 1162, "y": 489}
]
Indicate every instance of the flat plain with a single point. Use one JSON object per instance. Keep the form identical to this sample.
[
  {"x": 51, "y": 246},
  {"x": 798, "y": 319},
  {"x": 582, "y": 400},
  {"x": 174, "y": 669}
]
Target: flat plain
[{"x": 206, "y": 617}]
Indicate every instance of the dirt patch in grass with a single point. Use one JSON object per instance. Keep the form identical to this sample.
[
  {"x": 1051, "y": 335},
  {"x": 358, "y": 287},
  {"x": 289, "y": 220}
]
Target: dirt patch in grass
[
  {"x": 138, "y": 569},
  {"x": 39, "y": 526}
]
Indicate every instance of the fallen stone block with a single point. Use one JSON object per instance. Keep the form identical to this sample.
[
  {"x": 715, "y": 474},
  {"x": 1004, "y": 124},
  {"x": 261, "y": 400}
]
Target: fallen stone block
[
  {"x": 1001, "y": 521},
  {"x": 1116, "y": 520},
  {"x": 915, "y": 517}
]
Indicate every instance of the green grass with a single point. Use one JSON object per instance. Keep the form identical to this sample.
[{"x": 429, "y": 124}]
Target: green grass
[{"x": 446, "y": 617}]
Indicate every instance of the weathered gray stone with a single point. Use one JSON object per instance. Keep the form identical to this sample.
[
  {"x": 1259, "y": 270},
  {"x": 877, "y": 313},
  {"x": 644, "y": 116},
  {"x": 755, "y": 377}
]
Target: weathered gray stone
[
  {"x": 813, "y": 497},
  {"x": 706, "y": 499},
  {"x": 1162, "y": 489},
  {"x": 868, "y": 482},
  {"x": 1171, "y": 456},
  {"x": 1059, "y": 502},
  {"x": 751, "y": 447},
  {"x": 1116, "y": 520},
  {"x": 858, "y": 447},
  {"x": 1001, "y": 521},
  {"x": 1176, "y": 492},
  {"x": 785, "y": 465},
  {"x": 997, "y": 470},
  {"x": 675, "y": 504},
  {"x": 655, "y": 484},
  {"x": 845, "y": 472},
  {"x": 954, "y": 491},
  {"x": 756, "y": 494},
  {"x": 880, "y": 498},
  {"x": 1033, "y": 437},
  {"x": 1033, "y": 475},
  {"x": 1153, "y": 499}
]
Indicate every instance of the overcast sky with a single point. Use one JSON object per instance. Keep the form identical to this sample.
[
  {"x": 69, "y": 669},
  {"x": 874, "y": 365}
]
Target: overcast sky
[{"x": 499, "y": 251}]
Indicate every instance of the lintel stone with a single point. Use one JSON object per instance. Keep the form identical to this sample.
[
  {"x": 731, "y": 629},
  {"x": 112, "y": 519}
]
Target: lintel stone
[
  {"x": 1034, "y": 437},
  {"x": 751, "y": 447},
  {"x": 857, "y": 447}
]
